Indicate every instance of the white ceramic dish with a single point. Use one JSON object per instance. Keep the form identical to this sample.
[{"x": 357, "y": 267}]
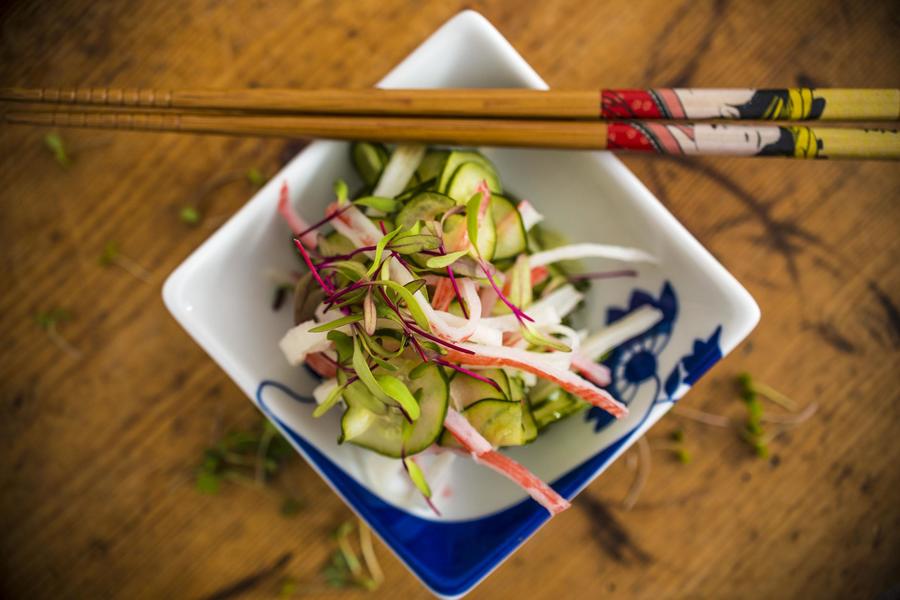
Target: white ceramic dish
[{"x": 221, "y": 296}]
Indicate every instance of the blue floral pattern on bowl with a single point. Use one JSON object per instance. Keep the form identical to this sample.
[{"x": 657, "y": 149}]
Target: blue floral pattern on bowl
[{"x": 635, "y": 363}]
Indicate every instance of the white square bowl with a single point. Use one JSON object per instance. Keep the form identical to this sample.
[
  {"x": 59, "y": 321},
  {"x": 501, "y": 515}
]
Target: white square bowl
[{"x": 221, "y": 296}]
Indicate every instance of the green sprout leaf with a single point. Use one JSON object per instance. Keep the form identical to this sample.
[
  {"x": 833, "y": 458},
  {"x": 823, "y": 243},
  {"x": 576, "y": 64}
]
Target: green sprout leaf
[
  {"x": 343, "y": 344},
  {"x": 291, "y": 506},
  {"x": 55, "y": 144},
  {"x": 255, "y": 177},
  {"x": 417, "y": 476},
  {"x": 397, "y": 390},
  {"x": 189, "y": 215},
  {"x": 379, "y": 250},
  {"x": 336, "y": 324},
  {"x": 350, "y": 269},
  {"x": 536, "y": 338},
  {"x": 110, "y": 254},
  {"x": 330, "y": 401},
  {"x": 411, "y": 304},
  {"x": 440, "y": 262},
  {"x": 419, "y": 370},
  {"x": 411, "y": 244},
  {"x": 52, "y": 317},
  {"x": 365, "y": 374},
  {"x": 385, "y": 205},
  {"x": 208, "y": 482},
  {"x": 683, "y": 456},
  {"x": 341, "y": 191},
  {"x": 415, "y": 285}
]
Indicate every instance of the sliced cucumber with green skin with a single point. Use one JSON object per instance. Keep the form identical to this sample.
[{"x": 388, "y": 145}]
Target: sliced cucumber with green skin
[
  {"x": 369, "y": 160},
  {"x": 529, "y": 425},
  {"x": 517, "y": 394},
  {"x": 432, "y": 165},
  {"x": 390, "y": 434},
  {"x": 356, "y": 395},
  {"x": 335, "y": 244},
  {"x": 466, "y": 391},
  {"x": 516, "y": 388},
  {"x": 557, "y": 409},
  {"x": 512, "y": 239},
  {"x": 455, "y": 231},
  {"x": 468, "y": 177},
  {"x": 457, "y": 158},
  {"x": 542, "y": 392},
  {"x": 426, "y": 206},
  {"x": 499, "y": 421}
]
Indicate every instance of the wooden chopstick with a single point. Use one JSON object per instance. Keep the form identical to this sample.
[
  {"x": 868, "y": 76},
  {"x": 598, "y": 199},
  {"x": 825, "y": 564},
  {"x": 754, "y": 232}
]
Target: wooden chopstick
[
  {"x": 785, "y": 104},
  {"x": 686, "y": 138}
]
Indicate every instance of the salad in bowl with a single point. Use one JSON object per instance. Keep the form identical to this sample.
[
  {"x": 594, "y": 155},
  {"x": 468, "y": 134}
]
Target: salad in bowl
[{"x": 442, "y": 318}]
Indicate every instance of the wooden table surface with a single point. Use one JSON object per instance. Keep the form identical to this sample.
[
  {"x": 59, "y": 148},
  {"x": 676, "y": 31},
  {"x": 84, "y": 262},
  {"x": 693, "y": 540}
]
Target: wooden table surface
[{"x": 99, "y": 451}]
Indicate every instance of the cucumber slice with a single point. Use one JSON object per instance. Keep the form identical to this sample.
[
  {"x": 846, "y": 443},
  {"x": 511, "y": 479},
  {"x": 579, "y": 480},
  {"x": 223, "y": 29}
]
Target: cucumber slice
[
  {"x": 466, "y": 391},
  {"x": 512, "y": 239},
  {"x": 516, "y": 388},
  {"x": 432, "y": 165},
  {"x": 529, "y": 425},
  {"x": 468, "y": 177},
  {"x": 457, "y": 158},
  {"x": 542, "y": 392},
  {"x": 426, "y": 206},
  {"x": 335, "y": 244},
  {"x": 500, "y": 422},
  {"x": 385, "y": 433},
  {"x": 369, "y": 160},
  {"x": 455, "y": 233},
  {"x": 557, "y": 409}
]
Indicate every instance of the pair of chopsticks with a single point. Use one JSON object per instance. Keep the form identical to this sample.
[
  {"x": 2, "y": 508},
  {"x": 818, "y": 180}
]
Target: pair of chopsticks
[{"x": 653, "y": 120}]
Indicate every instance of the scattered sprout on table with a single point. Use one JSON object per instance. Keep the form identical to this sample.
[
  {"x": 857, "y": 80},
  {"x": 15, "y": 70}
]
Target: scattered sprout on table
[
  {"x": 49, "y": 322},
  {"x": 54, "y": 142},
  {"x": 190, "y": 215},
  {"x": 112, "y": 256},
  {"x": 252, "y": 458},
  {"x": 255, "y": 177}
]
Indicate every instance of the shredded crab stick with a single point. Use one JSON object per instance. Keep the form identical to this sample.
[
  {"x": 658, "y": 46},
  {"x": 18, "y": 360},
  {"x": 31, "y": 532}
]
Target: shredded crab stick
[
  {"x": 323, "y": 365},
  {"x": 636, "y": 322},
  {"x": 350, "y": 222},
  {"x": 443, "y": 294},
  {"x": 594, "y": 372},
  {"x": 483, "y": 453},
  {"x": 294, "y": 220},
  {"x": 538, "y": 364},
  {"x": 578, "y": 251}
]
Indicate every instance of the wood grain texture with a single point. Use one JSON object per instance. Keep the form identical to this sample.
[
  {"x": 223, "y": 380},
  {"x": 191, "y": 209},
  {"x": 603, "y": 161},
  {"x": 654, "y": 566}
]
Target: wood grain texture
[{"x": 97, "y": 469}]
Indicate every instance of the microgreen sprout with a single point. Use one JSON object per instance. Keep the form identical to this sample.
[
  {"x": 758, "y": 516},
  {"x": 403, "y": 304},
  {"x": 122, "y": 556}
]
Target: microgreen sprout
[
  {"x": 251, "y": 458},
  {"x": 750, "y": 386},
  {"x": 49, "y": 321},
  {"x": 54, "y": 142},
  {"x": 112, "y": 256},
  {"x": 255, "y": 177},
  {"x": 189, "y": 215},
  {"x": 345, "y": 568}
]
